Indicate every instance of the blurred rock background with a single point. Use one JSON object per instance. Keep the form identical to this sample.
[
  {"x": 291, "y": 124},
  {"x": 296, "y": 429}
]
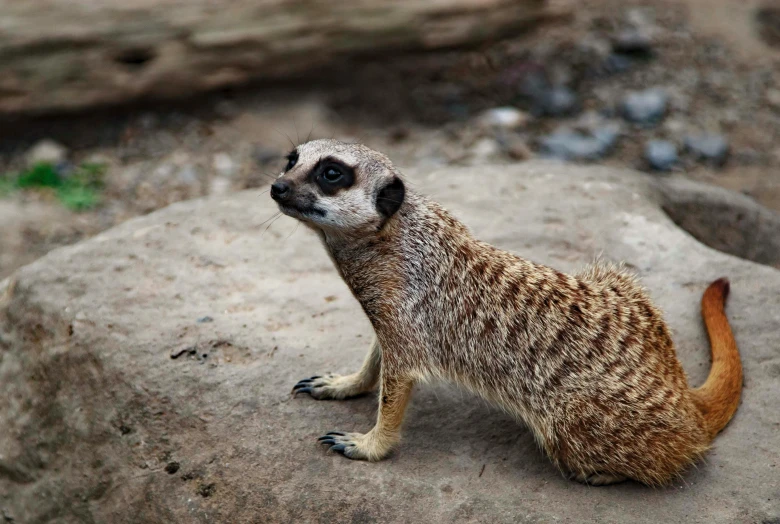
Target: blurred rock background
[{"x": 109, "y": 111}]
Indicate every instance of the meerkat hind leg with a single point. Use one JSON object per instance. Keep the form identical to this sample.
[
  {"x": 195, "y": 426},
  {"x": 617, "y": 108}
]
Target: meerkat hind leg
[{"x": 338, "y": 387}]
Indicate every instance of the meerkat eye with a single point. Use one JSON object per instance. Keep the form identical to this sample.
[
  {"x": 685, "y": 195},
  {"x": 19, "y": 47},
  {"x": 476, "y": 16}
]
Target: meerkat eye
[
  {"x": 292, "y": 159},
  {"x": 332, "y": 175}
]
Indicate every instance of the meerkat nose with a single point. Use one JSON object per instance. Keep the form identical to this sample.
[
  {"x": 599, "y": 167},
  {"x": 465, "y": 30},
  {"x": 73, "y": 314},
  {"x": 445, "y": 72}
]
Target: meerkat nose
[{"x": 280, "y": 190}]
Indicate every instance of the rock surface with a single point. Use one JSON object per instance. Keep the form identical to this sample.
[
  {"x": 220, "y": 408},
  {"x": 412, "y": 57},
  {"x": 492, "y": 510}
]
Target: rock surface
[
  {"x": 68, "y": 54},
  {"x": 100, "y": 423}
]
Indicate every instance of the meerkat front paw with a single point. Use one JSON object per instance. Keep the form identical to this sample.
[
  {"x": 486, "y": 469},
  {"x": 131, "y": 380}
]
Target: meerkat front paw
[
  {"x": 330, "y": 386},
  {"x": 357, "y": 446}
]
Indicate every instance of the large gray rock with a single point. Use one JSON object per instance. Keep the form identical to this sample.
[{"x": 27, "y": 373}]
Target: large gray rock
[
  {"x": 67, "y": 54},
  {"x": 100, "y": 424}
]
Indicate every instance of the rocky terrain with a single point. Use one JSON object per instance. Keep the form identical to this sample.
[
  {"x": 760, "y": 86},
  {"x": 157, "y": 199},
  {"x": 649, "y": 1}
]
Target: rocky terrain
[
  {"x": 145, "y": 374},
  {"x": 155, "y": 312}
]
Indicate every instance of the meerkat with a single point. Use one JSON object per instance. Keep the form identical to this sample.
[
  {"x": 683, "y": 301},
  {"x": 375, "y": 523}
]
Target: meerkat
[{"x": 585, "y": 360}]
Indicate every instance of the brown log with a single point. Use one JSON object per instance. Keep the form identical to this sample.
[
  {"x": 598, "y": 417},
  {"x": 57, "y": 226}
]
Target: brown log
[{"x": 69, "y": 54}]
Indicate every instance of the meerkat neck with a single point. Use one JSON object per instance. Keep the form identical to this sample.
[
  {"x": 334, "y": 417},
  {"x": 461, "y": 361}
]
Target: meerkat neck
[{"x": 379, "y": 266}]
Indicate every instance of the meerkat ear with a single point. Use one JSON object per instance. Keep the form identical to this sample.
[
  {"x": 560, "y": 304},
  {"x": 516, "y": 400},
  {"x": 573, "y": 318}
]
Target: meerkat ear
[{"x": 390, "y": 197}]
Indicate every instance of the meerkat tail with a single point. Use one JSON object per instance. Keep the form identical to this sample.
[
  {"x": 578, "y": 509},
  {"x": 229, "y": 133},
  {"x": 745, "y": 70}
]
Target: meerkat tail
[{"x": 718, "y": 397}]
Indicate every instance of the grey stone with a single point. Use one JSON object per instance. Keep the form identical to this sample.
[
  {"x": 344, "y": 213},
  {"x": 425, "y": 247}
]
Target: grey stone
[
  {"x": 645, "y": 107},
  {"x": 94, "y": 406},
  {"x": 504, "y": 118},
  {"x": 569, "y": 144},
  {"x": 725, "y": 220},
  {"x": 224, "y": 165},
  {"x": 558, "y": 101},
  {"x": 661, "y": 154},
  {"x": 709, "y": 147},
  {"x": 46, "y": 152},
  {"x": 187, "y": 175}
]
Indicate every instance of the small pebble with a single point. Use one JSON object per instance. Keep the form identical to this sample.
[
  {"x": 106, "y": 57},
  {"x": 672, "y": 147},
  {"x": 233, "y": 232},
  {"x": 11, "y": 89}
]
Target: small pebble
[
  {"x": 709, "y": 147},
  {"x": 224, "y": 165},
  {"x": 46, "y": 152},
  {"x": 558, "y": 101},
  {"x": 504, "y": 118},
  {"x": 203, "y": 320},
  {"x": 661, "y": 154},
  {"x": 568, "y": 144},
  {"x": 171, "y": 468},
  {"x": 645, "y": 107},
  {"x": 187, "y": 176}
]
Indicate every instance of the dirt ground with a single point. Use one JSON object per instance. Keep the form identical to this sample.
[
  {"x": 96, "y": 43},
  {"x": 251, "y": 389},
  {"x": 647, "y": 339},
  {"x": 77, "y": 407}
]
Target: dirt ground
[{"x": 716, "y": 60}]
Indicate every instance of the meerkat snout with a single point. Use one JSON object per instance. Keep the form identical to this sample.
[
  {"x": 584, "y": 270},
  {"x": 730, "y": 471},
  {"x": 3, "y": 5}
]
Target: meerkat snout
[
  {"x": 338, "y": 187},
  {"x": 280, "y": 190}
]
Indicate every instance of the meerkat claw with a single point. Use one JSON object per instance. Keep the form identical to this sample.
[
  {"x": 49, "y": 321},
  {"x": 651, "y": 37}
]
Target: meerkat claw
[
  {"x": 330, "y": 438},
  {"x": 345, "y": 443},
  {"x": 300, "y": 389},
  {"x": 302, "y": 384},
  {"x": 330, "y": 386}
]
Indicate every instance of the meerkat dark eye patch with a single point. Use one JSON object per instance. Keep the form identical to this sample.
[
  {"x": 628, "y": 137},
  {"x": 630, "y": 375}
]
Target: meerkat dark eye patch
[
  {"x": 292, "y": 159},
  {"x": 390, "y": 197},
  {"x": 331, "y": 176}
]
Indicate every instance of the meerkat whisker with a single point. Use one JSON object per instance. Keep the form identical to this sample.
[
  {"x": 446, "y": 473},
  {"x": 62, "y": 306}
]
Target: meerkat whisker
[
  {"x": 272, "y": 223},
  {"x": 275, "y": 215},
  {"x": 293, "y": 231},
  {"x": 285, "y": 136}
]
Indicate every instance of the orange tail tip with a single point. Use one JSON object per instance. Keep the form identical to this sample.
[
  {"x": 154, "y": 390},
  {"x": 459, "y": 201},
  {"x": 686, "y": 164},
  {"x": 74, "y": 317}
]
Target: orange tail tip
[{"x": 718, "y": 397}]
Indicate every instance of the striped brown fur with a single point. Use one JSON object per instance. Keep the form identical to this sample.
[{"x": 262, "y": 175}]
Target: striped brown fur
[{"x": 585, "y": 360}]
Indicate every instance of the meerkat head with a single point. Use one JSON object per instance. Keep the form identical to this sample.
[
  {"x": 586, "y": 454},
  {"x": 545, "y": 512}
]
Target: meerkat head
[{"x": 339, "y": 187}]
